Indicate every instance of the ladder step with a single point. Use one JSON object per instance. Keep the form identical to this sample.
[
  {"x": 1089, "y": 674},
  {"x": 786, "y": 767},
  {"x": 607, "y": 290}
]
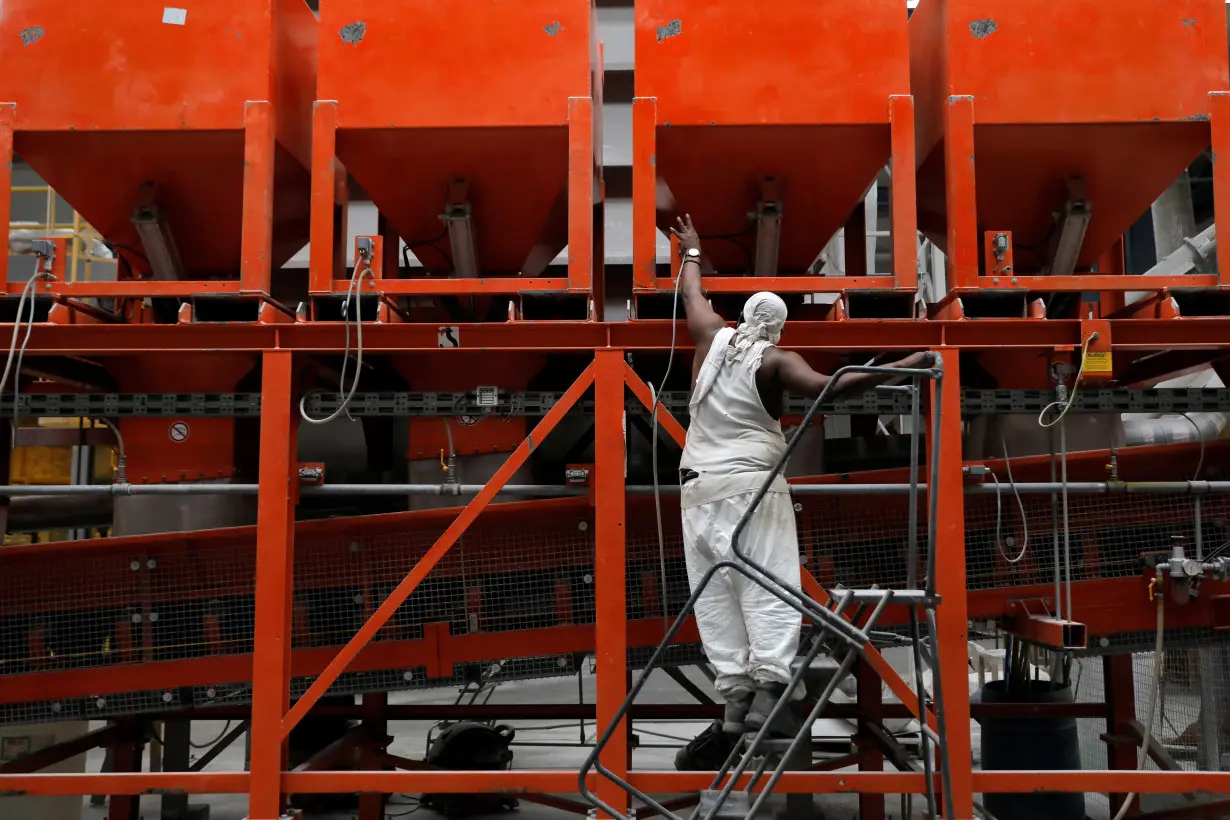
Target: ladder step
[{"x": 736, "y": 806}]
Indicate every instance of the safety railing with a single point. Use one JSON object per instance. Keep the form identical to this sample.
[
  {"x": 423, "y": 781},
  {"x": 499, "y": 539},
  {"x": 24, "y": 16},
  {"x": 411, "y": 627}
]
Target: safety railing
[{"x": 831, "y": 629}]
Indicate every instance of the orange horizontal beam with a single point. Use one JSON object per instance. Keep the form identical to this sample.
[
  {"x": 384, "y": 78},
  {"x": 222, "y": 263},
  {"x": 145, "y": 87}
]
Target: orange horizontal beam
[
  {"x": 781, "y": 284},
  {"x": 433, "y": 653},
  {"x": 875, "y": 335},
  {"x": 1092, "y": 282},
  {"x": 448, "y": 287},
  {"x": 565, "y": 782},
  {"x": 181, "y": 288}
]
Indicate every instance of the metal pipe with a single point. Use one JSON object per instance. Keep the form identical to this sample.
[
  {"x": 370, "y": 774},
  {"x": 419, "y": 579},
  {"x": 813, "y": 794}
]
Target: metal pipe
[
  {"x": 1050, "y": 431},
  {"x": 1067, "y": 532},
  {"x": 1196, "y": 488}
]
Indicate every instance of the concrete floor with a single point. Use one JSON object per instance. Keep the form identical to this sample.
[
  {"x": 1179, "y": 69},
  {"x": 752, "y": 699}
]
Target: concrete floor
[{"x": 659, "y": 742}]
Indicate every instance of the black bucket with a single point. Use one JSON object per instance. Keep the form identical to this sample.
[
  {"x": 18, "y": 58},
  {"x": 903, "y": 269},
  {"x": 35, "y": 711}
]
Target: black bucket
[{"x": 1027, "y": 744}]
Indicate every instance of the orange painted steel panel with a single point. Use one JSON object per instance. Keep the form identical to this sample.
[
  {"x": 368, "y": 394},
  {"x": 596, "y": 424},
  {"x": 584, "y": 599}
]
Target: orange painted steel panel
[
  {"x": 797, "y": 91},
  {"x": 111, "y": 96},
  {"x": 1116, "y": 93},
  {"x": 430, "y": 92}
]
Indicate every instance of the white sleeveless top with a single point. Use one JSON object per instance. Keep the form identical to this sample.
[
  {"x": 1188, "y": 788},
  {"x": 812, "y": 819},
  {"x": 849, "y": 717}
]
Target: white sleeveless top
[{"x": 730, "y": 432}]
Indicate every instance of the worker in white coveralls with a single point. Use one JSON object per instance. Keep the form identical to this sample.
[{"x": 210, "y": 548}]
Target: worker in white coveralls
[{"x": 734, "y": 440}]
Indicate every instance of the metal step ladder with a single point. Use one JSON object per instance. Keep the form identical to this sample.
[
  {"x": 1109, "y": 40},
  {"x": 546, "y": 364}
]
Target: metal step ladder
[{"x": 840, "y": 629}]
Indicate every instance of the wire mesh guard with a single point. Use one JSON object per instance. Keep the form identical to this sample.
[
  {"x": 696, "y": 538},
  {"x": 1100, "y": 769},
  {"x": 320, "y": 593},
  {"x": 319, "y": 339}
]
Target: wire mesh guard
[{"x": 113, "y": 609}]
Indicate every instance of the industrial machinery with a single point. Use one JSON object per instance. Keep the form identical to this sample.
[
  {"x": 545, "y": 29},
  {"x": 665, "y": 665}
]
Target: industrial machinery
[
  {"x": 1024, "y": 139},
  {"x": 745, "y": 119},
  {"x": 389, "y": 480},
  {"x": 168, "y": 129},
  {"x": 485, "y": 181}
]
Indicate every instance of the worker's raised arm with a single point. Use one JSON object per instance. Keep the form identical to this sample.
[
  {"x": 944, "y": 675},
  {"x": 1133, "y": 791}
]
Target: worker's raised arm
[
  {"x": 703, "y": 320},
  {"x": 797, "y": 376}
]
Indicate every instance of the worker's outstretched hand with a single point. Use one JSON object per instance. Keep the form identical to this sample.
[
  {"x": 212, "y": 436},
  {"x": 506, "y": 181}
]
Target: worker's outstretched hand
[
  {"x": 688, "y": 238},
  {"x": 921, "y": 359}
]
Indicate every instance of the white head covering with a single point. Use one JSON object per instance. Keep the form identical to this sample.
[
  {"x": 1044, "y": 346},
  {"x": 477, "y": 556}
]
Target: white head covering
[{"x": 764, "y": 316}]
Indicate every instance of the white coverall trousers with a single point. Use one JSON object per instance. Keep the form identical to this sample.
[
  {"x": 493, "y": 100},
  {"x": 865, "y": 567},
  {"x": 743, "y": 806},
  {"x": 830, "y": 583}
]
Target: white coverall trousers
[{"x": 749, "y": 634}]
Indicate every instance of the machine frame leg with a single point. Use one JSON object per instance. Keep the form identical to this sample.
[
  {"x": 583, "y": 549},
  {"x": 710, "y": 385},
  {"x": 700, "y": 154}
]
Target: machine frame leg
[
  {"x": 903, "y": 202},
  {"x": 582, "y": 183},
  {"x": 952, "y": 623},
  {"x": 372, "y": 804},
  {"x": 259, "y": 148},
  {"x": 610, "y": 569},
  {"x": 275, "y": 562},
  {"x": 959, "y": 187},
  {"x": 1120, "y": 692},
  {"x": 1219, "y": 125},
  {"x": 126, "y": 757},
  {"x": 644, "y": 192},
  {"x": 8, "y": 113},
  {"x": 324, "y": 245},
  {"x": 870, "y": 699}
]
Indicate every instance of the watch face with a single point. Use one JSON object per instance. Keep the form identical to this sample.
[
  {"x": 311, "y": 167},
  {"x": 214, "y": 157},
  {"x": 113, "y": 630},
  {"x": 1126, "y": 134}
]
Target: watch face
[{"x": 693, "y": 252}]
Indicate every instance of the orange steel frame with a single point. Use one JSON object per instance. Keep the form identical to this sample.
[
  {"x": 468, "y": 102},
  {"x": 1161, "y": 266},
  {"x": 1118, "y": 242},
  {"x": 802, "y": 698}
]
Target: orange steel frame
[
  {"x": 750, "y": 116},
  {"x": 1167, "y": 100},
  {"x": 1112, "y": 604},
  {"x": 68, "y": 92}
]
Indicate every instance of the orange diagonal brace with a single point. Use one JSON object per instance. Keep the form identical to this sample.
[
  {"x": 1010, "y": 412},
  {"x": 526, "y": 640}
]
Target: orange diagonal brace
[
  {"x": 398, "y": 596},
  {"x": 810, "y": 585},
  {"x": 641, "y": 390},
  {"x": 874, "y": 659}
]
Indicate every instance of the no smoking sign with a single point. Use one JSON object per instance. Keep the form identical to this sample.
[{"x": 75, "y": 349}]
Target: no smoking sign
[{"x": 178, "y": 431}]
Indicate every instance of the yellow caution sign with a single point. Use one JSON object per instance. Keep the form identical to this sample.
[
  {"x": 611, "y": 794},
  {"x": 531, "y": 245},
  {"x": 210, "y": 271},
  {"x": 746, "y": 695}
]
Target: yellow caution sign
[{"x": 1098, "y": 361}]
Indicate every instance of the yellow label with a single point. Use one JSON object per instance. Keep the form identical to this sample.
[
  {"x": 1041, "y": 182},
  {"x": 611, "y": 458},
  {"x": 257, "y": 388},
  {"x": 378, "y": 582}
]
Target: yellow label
[{"x": 1098, "y": 361}]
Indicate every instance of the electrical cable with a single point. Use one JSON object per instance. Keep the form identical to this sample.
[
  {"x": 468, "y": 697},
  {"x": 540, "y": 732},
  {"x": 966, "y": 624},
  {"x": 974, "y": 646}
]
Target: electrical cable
[
  {"x": 352, "y": 292},
  {"x": 1071, "y": 400},
  {"x": 1200, "y": 438},
  {"x": 1153, "y": 700},
  {"x": 999, "y": 544},
  {"x": 653, "y": 444},
  {"x": 27, "y": 292},
  {"x": 213, "y": 742},
  {"x": 121, "y": 466}
]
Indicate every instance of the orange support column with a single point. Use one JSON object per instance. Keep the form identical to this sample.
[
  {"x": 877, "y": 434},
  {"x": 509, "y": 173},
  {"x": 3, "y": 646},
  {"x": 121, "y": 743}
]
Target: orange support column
[
  {"x": 324, "y": 198},
  {"x": 8, "y": 112},
  {"x": 903, "y": 191},
  {"x": 257, "y": 238},
  {"x": 1220, "y": 126},
  {"x": 962, "y": 202},
  {"x": 951, "y": 614},
  {"x": 581, "y": 184},
  {"x": 644, "y": 192},
  {"x": 611, "y": 637},
  {"x": 275, "y": 563}
]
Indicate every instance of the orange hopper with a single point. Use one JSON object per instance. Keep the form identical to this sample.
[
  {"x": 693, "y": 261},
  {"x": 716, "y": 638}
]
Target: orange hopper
[
  {"x": 788, "y": 108},
  {"x": 191, "y": 112},
  {"x": 1036, "y": 117},
  {"x": 472, "y": 125}
]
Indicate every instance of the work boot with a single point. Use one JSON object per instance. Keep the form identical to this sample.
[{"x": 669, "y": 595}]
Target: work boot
[
  {"x": 738, "y": 703},
  {"x": 707, "y": 751},
  {"x": 767, "y": 697}
]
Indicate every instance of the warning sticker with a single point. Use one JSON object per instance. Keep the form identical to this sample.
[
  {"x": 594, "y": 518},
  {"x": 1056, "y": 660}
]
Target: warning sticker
[
  {"x": 1098, "y": 361},
  {"x": 178, "y": 431}
]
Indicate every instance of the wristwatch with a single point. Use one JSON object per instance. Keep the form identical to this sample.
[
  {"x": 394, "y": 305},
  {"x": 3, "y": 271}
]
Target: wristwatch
[{"x": 692, "y": 255}]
